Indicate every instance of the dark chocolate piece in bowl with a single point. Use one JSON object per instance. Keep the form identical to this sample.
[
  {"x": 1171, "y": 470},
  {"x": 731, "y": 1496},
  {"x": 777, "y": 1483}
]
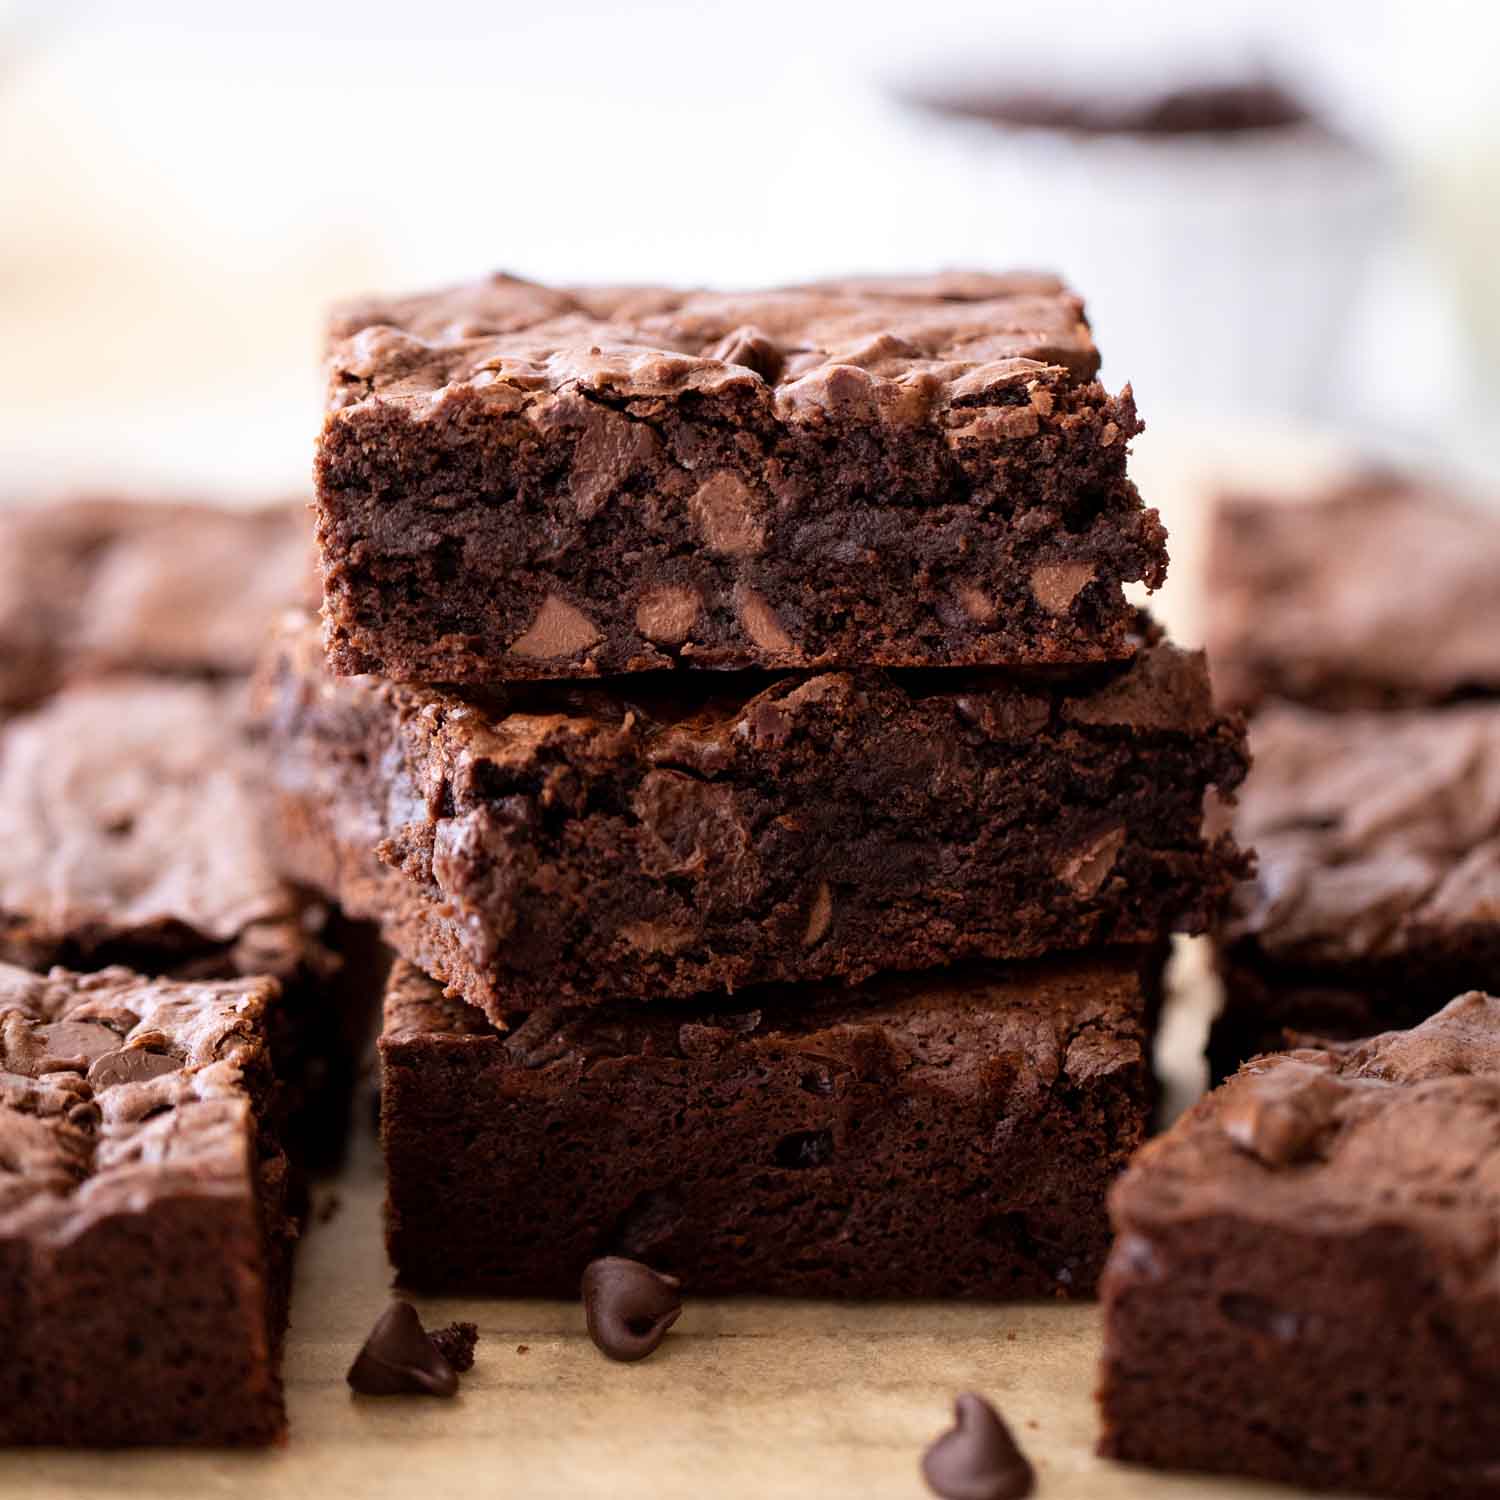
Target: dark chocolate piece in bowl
[{"x": 662, "y": 838}]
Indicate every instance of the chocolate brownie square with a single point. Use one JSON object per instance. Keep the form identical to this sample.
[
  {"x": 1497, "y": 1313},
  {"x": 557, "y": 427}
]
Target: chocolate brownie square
[
  {"x": 1376, "y": 594},
  {"x": 1377, "y": 891},
  {"x": 1304, "y": 1285},
  {"x": 144, "y": 1229},
  {"x": 517, "y": 481},
  {"x": 660, "y": 838},
  {"x": 131, "y": 833},
  {"x": 98, "y": 586},
  {"x": 945, "y": 1135}
]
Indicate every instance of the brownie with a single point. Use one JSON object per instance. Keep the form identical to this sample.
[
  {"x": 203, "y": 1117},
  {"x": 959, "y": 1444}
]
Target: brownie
[
  {"x": 1378, "y": 593},
  {"x": 517, "y": 481},
  {"x": 663, "y": 837},
  {"x": 144, "y": 1240},
  {"x": 98, "y": 586},
  {"x": 131, "y": 833},
  {"x": 1377, "y": 894},
  {"x": 1303, "y": 1287},
  {"x": 944, "y": 1135}
]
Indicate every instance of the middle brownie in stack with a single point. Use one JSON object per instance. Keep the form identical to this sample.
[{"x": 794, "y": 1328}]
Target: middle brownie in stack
[{"x": 659, "y": 901}]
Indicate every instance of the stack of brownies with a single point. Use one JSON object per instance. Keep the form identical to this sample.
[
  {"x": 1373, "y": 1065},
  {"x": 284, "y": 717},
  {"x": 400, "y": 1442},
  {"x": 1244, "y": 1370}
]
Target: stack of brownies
[{"x": 781, "y": 868}]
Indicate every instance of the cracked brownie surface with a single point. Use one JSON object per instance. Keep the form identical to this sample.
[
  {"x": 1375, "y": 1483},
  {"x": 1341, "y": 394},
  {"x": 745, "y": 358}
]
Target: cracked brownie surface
[
  {"x": 936, "y": 1135},
  {"x": 1377, "y": 892},
  {"x": 663, "y": 837},
  {"x": 143, "y": 1211},
  {"x": 104, "y": 586},
  {"x": 1377, "y": 594},
  {"x": 1304, "y": 1284},
  {"x": 517, "y": 481}
]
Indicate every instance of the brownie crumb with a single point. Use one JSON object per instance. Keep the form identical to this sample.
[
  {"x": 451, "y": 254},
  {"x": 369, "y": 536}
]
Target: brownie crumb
[
  {"x": 328, "y": 1207},
  {"x": 456, "y": 1344}
]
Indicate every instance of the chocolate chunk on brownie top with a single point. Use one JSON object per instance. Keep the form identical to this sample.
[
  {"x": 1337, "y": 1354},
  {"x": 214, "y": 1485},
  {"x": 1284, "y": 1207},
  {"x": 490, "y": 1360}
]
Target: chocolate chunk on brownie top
[
  {"x": 113, "y": 585},
  {"x": 517, "y": 481},
  {"x": 1304, "y": 1287},
  {"x": 656, "y": 839},
  {"x": 1375, "y": 594},
  {"x": 1377, "y": 893},
  {"x": 143, "y": 1212},
  {"x": 946, "y": 1134}
]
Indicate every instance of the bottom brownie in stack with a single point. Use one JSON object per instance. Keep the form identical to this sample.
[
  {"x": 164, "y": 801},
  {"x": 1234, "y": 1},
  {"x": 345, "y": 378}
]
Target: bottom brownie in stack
[
  {"x": 144, "y": 1236},
  {"x": 946, "y": 1135}
]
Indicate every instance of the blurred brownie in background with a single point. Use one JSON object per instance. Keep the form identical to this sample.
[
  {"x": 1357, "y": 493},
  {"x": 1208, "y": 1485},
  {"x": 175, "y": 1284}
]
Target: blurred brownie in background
[
  {"x": 132, "y": 834},
  {"x": 1376, "y": 895},
  {"x": 517, "y": 481},
  {"x": 942, "y": 1135},
  {"x": 1378, "y": 593},
  {"x": 99, "y": 586}
]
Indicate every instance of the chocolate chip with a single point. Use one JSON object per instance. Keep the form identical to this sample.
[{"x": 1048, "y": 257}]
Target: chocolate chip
[
  {"x": 753, "y": 349},
  {"x": 131, "y": 1065},
  {"x": 629, "y": 1306},
  {"x": 559, "y": 629},
  {"x": 977, "y": 1458},
  {"x": 456, "y": 1344},
  {"x": 1279, "y": 1116},
  {"x": 398, "y": 1359}
]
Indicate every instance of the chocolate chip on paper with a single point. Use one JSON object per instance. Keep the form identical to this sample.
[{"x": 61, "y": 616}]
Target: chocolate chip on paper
[
  {"x": 977, "y": 1458},
  {"x": 400, "y": 1359},
  {"x": 629, "y": 1307}
]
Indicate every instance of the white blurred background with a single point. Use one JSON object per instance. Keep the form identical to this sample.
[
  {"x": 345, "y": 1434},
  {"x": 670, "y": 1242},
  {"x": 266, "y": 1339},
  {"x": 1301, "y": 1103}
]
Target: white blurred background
[{"x": 184, "y": 186}]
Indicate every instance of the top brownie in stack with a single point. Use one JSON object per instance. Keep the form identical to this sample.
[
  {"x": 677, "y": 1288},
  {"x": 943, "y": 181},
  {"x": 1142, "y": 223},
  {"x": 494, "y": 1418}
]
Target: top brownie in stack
[
  {"x": 516, "y": 481},
  {"x": 1377, "y": 594}
]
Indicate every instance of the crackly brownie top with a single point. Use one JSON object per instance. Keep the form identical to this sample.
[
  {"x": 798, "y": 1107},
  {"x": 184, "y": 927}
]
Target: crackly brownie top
[
  {"x": 1376, "y": 833},
  {"x": 1018, "y": 1031},
  {"x": 1399, "y": 1130},
  {"x": 1377, "y": 592},
  {"x": 117, "y": 1091},
  {"x": 115, "y": 584},
  {"x": 892, "y": 347},
  {"x": 128, "y": 821}
]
